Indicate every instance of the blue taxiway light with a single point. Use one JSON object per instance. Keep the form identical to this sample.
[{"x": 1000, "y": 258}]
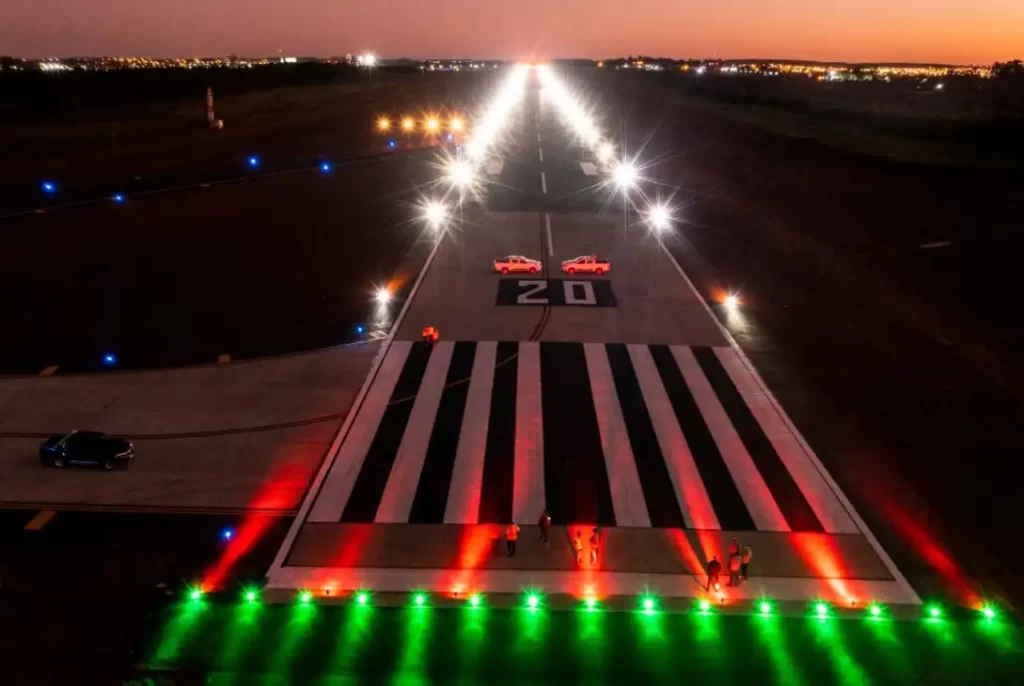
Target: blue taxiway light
[
  {"x": 392, "y": 144},
  {"x": 253, "y": 161},
  {"x": 360, "y": 328},
  {"x": 226, "y": 534},
  {"x": 49, "y": 187},
  {"x": 110, "y": 359},
  {"x": 325, "y": 167},
  {"x": 117, "y": 197}
]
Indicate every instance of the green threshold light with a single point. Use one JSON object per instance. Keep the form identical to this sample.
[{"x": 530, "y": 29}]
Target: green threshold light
[
  {"x": 475, "y": 600},
  {"x": 988, "y": 612},
  {"x": 934, "y": 612},
  {"x": 647, "y": 604},
  {"x": 362, "y": 598},
  {"x": 821, "y": 609},
  {"x": 195, "y": 594},
  {"x": 306, "y": 597},
  {"x": 704, "y": 605},
  {"x": 590, "y": 602},
  {"x": 419, "y": 599},
  {"x": 251, "y": 596},
  {"x": 764, "y": 607},
  {"x": 533, "y": 601},
  {"x": 875, "y": 610}
]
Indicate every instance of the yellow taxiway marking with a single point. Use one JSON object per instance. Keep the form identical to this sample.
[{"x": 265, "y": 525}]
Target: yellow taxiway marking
[{"x": 40, "y": 520}]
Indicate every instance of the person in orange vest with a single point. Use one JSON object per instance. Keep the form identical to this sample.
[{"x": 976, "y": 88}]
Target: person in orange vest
[
  {"x": 734, "y": 569},
  {"x": 577, "y": 544},
  {"x": 734, "y": 547},
  {"x": 545, "y": 526},
  {"x": 511, "y": 536},
  {"x": 595, "y": 547}
]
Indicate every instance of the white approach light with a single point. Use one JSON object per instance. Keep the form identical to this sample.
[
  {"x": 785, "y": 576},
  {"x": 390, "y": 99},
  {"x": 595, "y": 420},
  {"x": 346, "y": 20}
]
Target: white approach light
[
  {"x": 383, "y": 296},
  {"x": 460, "y": 173},
  {"x": 625, "y": 175},
  {"x": 435, "y": 213},
  {"x": 731, "y": 301},
  {"x": 660, "y": 218}
]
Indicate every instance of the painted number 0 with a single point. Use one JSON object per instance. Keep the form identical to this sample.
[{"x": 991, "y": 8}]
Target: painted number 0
[
  {"x": 573, "y": 295},
  {"x": 533, "y": 287}
]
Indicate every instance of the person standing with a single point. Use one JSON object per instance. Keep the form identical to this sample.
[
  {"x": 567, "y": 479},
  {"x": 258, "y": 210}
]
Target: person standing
[
  {"x": 714, "y": 571},
  {"x": 577, "y": 544},
  {"x": 734, "y": 547},
  {"x": 745, "y": 555},
  {"x": 511, "y": 536},
  {"x": 595, "y": 547},
  {"x": 734, "y": 569},
  {"x": 545, "y": 526}
]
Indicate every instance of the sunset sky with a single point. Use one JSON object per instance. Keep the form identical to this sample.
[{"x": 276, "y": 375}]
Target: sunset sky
[{"x": 953, "y": 31}]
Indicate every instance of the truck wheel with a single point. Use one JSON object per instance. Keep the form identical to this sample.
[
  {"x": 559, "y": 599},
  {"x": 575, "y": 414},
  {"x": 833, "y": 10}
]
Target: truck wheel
[
  {"x": 599, "y": 271},
  {"x": 572, "y": 270},
  {"x": 504, "y": 270}
]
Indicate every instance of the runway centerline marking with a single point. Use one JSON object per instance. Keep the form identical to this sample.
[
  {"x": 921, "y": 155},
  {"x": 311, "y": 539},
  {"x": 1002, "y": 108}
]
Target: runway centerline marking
[
  {"x": 543, "y": 183},
  {"x": 547, "y": 234},
  {"x": 540, "y": 153}
]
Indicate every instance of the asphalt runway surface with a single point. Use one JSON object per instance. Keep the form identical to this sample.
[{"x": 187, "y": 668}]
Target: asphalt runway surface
[{"x": 895, "y": 361}]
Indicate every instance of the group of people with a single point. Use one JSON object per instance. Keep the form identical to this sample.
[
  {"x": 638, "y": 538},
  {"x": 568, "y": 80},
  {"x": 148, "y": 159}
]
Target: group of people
[
  {"x": 739, "y": 565},
  {"x": 544, "y": 524}
]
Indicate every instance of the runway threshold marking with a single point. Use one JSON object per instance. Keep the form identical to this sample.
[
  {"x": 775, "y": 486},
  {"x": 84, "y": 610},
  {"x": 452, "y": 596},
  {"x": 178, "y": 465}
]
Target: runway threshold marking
[
  {"x": 41, "y": 519},
  {"x": 49, "y": 371}
]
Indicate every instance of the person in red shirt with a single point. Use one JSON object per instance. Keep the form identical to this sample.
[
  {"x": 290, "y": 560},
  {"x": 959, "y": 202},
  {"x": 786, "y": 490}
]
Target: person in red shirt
[
  {"x": 511, "y": 536},
  {"x": 545, "y": 526}
]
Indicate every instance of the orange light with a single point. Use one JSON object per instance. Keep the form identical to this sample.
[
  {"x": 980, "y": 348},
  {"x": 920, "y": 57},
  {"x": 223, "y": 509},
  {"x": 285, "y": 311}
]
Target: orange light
[
  {"x": 408, "y": 124},
  {"x": 383, "y": 124},
  {"x": 455, "y": 124},
  {"x": 432, "y": 124}
]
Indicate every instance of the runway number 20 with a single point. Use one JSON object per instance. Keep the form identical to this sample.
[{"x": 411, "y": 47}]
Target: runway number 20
[
  {"x": 574, "y": 293},
  {"x": 556, "y": 292}
]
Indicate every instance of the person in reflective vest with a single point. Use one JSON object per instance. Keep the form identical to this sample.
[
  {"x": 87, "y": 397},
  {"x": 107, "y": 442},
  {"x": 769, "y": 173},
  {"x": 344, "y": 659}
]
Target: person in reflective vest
[{"x": 511, "y": 536}]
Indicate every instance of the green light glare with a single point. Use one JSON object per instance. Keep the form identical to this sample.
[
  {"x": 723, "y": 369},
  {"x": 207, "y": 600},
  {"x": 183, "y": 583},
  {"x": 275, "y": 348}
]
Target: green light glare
[
  {"x": 704, "y": 605},
  {"x": 195, "y": 594},
  {"x": 988, "y": 612},
  {"x": 475, "y": 600},
  {"x": 847, "y": 671},
  {"x": 184, "y": 621},
  {"x": 532, "y": 601},
  {"x": 708, "y": 633},
  {"x": 306, "y": 597},
  {"x": 362, "y": 598},
  {"x": 875, "y": 610},
  {"x": 770, "y": 633},
  {"x": 292, "y": 635},
  {"x": 590, "y": 602},
  {"x": 419, "y": 599},
  {"x": 530, "y": 632},
  {"x": 934, "y": 612},
  {"x": 471, "y": 638},
  {"x": 764, "y": 607},
  {"x": 240, "y": 632},
  {"x": 353, "y": 636},
  {"x": 890, "y": 648},
  {"x": 821, "y": 610},
  {"x": 590, "y": 650},
  {"x": 647, "y": 604},
  {"x": 411, "y": 667}
]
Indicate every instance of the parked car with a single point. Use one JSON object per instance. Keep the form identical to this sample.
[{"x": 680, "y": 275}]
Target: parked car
[{"x": 586, "y": 264}]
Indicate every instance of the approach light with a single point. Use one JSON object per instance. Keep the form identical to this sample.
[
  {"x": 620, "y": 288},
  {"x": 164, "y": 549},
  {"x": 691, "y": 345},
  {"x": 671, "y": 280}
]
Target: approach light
[
  {"x": 435, "y": 213},
  {"x": 660, "y": 218},
  {"x": 455, "y": 124},
  {"x": 432, "y": 124},
  {"x": 384, "y": 124},
  {"x": 383, "y": 295},
  {"x": 460, "y": 173},
  {"x": 408, "y": 124},
  {"x": 625, "y": 175}
]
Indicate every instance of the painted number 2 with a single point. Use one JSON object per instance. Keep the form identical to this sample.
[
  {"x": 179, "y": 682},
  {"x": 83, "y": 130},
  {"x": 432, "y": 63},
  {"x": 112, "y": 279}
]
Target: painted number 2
[{"x": 574, "y": 293}]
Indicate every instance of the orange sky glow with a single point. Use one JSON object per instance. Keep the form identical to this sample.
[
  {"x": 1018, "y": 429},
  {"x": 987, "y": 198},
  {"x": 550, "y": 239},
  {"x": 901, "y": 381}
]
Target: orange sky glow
[{"x": 946, "y": 31}]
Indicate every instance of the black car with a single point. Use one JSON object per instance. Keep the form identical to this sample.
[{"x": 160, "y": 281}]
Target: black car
[{"x": 86, "y": 448}]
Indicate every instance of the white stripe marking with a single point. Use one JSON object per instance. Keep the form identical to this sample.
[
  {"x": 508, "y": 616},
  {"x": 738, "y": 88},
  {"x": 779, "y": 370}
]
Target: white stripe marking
[
  {"x": 627, "y": 495},
  {"x": 540, "y": 153},
  {"x": 547, "y": 233},
  {"x": 337, "y": 487},
  {"x": 589, "y": 168},
  {"x": 830, "y": 512},
  {"x": 396, "y": 502},
  {"x": 528, "y": 480},
  {"x": 463, "y": 505},
  {"x": 543, "y": 183},
  {"x": 689, "y": 488},
  {"x": 759, "y": 501}
]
